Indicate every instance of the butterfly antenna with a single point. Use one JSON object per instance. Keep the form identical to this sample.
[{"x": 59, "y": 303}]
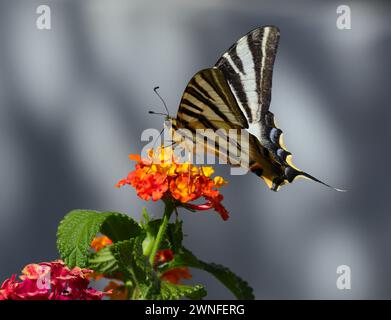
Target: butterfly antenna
[
  {"x": 162, "y": 100},
  {"x": 157, "y": 113}
]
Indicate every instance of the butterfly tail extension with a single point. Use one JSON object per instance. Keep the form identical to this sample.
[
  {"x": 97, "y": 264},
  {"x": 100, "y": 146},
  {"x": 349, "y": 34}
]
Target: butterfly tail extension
[
  {"x": 277, "y": 176},
  {"x": 279, "y": 152},
  {"x": 308, "y": 176},
  {"x": 291, "y": 174}
]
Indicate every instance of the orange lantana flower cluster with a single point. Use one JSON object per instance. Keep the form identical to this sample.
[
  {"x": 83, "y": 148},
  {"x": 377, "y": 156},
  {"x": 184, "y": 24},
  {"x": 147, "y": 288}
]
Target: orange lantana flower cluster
[{"x": 161, "y": 176}]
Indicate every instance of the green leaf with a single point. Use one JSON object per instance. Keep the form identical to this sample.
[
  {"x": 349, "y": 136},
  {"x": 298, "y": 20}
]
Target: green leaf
[
  {"x": 119, "y": 227},
  {"x": 79, "y": 227},
  {"x": 123, "y": 254},
  {"x": 175, "y": 235},
  {"x": 103, "y": 262},
  {"x": 75, "y": 234},
  {"x": 171, "y": 291},
  {"x": 151, "y": 229},
  {"x": 145, "y": 216},
  {"x": 230, "y": 280},
  {"x": 148, "y": 244},
  {"x": 135, "y": 266},
  {"x": 234, "y": 283},
  {"x": 173, "y": 238}
]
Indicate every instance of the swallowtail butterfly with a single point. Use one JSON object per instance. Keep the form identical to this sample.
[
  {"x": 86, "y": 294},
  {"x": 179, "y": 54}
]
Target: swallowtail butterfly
[{"x": 236, "y": 94}]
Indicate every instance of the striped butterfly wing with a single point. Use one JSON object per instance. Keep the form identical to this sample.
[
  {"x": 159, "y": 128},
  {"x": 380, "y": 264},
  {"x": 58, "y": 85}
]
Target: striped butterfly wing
[
  {"x": 208, "y": 103},
  {"x": 248, "y": 69},
  {"x": 236, "y": 94}
]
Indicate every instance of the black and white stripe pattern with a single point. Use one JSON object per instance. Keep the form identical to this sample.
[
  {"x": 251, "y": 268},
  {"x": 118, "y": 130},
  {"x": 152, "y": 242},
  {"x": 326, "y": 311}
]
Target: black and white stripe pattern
[
  {"x": 209, "y": 102},
  {"x": 248, "y": 68}
]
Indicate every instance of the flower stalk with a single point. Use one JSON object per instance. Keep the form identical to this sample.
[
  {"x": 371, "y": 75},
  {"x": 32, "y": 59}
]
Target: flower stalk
[{"x": 168, "y": 210}]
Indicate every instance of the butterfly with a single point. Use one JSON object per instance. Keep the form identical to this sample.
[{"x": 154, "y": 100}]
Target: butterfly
[{"x": 236, "y": 94}]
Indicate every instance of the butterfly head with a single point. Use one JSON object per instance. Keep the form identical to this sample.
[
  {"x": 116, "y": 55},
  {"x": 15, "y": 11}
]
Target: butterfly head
[{"x": 168, "y": 120}]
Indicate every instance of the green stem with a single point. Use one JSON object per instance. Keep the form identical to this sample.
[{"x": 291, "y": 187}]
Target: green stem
[{"x": 169, "y": 208}]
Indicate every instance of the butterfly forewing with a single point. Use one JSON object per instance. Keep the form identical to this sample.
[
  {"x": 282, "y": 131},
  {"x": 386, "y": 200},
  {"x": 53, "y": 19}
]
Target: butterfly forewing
[
  {"x": 248, "y": 68},
  {"x": 208, "y": 103}
]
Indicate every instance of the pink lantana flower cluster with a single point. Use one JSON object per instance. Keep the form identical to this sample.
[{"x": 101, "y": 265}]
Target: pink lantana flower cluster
[{"x": 50, "y": 281}]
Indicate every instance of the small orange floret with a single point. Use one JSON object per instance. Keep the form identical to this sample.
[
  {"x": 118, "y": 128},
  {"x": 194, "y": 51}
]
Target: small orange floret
[
  {"x": 116, "y": 291},
  {"x": 163, "y": 256},
  {"x": 135, "y": 157},
  {"x": 176, "y": 274},
  {"x": 98, "y": 243}
]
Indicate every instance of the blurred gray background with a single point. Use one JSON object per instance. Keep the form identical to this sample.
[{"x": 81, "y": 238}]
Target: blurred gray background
[{"x": 74, "y": 101}]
